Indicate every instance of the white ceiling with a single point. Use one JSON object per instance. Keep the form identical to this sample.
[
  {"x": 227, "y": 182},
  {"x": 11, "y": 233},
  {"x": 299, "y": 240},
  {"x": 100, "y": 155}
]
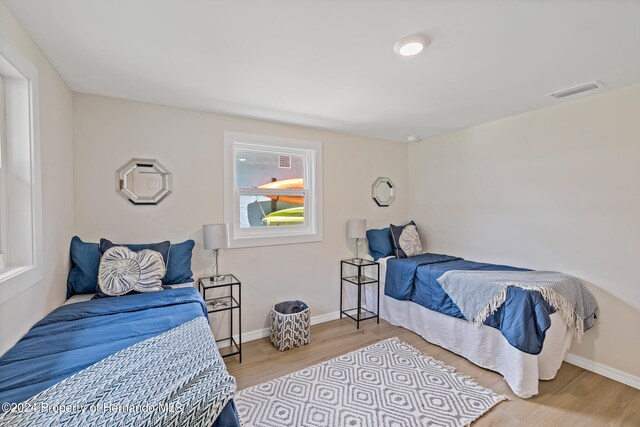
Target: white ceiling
[{"x": 330, "y": 64}]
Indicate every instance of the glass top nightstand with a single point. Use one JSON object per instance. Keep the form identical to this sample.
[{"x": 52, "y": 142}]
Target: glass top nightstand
[
  {"x": 359, "y": 262},
  {"x": 226, "y": 280},
  {"x": 359, "y": 272},
  {"x": 229, "y": 302}
]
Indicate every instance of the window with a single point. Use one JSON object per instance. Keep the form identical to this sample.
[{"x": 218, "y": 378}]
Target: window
[
  {"x": 273, "y": 190},
  {"x": 3, "y": 197},
  {"x": 20, "y": 199}
]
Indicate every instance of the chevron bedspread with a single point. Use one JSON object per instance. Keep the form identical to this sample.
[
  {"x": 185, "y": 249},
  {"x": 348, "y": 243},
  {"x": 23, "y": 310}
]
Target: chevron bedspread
[
  {"x": 125, "y": 356},
  {"x": 176, "y": 379}
]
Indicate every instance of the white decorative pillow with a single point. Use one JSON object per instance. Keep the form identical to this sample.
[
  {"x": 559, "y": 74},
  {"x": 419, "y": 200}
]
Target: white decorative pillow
[
  {"x": 123, "y": 270},
  {"x": 410, "y": 240}
]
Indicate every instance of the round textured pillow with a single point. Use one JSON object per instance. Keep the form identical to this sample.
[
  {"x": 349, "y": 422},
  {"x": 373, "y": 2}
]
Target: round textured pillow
[
  {"x": 410, "y": 241},
  {"x": 123, "y": 270}
]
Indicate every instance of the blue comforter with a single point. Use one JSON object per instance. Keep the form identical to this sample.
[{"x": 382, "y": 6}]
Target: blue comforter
[
  {"x": 523, "y": 319},
  {"x": 78, "y": 335}
]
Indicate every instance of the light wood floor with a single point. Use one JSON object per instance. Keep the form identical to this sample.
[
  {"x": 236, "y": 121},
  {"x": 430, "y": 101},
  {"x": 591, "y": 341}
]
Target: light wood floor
[{"x": 574, "y": 398}]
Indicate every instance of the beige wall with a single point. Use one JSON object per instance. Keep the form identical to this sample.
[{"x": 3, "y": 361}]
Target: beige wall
[
  {"x": 190, "y": 144},
  {"x": 554, "y": 189},
  {"x": 19, "y": 313}
]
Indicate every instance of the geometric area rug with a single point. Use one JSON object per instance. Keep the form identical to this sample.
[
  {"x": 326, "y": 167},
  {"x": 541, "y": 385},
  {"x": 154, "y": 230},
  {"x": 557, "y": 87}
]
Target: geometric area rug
[{"x": 389, "y": 383}]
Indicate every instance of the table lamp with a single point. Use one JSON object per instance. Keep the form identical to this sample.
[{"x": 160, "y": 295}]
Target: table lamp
[
  {"x": 357, "y": 229},
  {"x": 215, "y": 237}
]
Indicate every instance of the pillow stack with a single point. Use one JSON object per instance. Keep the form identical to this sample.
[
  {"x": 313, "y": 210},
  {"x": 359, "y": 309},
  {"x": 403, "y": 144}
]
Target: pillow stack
[
  {"x": 118, "y": 269},
  {"x": 399, "y": 240},
  {"x": 123, "y": 270}
]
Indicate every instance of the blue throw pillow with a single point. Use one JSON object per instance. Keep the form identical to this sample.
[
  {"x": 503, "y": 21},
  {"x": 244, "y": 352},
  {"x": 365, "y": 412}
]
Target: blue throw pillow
[
  {"x": 162, "y": 247},
  {"x": 179, "y": 266},
  {"x": 85, "y": 261},
  {"x": 380, "y": 243}
]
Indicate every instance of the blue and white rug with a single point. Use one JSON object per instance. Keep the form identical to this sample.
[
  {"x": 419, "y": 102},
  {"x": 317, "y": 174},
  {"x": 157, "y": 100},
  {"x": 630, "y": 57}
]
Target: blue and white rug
[{"x": 387, "y": 384}]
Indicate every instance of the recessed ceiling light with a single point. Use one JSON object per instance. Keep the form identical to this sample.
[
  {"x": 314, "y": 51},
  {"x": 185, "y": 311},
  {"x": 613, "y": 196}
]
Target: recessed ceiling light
[
  {"x": 242, "y": 160},
  {"x": 413, "y": 138},
  {"x": 411, "y": 45}
]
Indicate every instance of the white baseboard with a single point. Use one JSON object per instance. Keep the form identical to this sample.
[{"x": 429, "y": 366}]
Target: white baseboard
[
  {"x": 254, "y": 335},
  {"x": 261, "y": 333},
  {"x": 604, "y": 370},
  {"x": 327, "y": 317}
]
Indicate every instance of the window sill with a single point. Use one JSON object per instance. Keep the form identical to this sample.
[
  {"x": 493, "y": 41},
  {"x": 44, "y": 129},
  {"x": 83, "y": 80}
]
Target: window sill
[
  {"x": 247, "y": 242},
  {"x": 14, "y": 280},
  {"x": 7, "y": 273}
]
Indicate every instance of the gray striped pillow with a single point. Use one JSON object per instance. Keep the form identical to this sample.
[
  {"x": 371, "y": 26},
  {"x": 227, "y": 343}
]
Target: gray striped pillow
[{"x": 123, "y": 270}]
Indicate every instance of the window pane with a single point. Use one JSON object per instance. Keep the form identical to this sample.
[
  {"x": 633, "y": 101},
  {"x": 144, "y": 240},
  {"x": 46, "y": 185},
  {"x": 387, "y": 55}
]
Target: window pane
[
  {"x": 257, "y": 168},
  {"x": 271, "y": 211}
]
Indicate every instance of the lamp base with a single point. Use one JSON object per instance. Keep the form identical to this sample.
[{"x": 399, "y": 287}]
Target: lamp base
[{"x": 215, "y": 276}]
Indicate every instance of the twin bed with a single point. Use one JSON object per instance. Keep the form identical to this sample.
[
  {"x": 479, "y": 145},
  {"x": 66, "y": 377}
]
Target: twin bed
[
  {"x": 143, "y": 359},
  {"x": 525, "y": 339}
]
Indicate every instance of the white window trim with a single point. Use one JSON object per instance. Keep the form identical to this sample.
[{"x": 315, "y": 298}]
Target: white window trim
[
  {"x": 312, "y": 231},
  {"x": 15, "y": 279},
  {"x": 3, "y": 156}
]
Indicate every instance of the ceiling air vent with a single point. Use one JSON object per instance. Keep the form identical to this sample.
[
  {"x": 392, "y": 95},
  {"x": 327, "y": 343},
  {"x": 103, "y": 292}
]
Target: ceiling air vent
[
  {"x": 284, "y": 162},
  {"x": 576, "y": 90}
]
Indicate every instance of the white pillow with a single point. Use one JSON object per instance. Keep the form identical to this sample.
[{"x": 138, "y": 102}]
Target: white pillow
[
  {"x": 409, "y": 240},
  {"x": 123, "y": 270}
]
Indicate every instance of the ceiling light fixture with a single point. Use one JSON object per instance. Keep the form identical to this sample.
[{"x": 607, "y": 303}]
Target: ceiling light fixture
[
  {"x": 413, "y": 138},
  {"x": 411, "y": 45}
]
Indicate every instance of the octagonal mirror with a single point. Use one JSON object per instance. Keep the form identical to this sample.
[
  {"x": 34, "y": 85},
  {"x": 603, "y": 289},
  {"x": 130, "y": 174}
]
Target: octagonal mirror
[
  {"x": 382, "y": 191},
  {"x": 143, "y": 181}
]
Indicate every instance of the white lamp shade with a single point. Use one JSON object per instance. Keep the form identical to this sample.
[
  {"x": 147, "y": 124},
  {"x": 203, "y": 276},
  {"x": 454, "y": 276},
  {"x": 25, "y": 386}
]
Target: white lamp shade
[
  {"x": 215, "y": 236},
  {"x": 357, "y": 228}
]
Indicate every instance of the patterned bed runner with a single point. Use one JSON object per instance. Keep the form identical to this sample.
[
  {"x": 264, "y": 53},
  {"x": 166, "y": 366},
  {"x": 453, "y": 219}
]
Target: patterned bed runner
[{"x": 177, "y": 378}]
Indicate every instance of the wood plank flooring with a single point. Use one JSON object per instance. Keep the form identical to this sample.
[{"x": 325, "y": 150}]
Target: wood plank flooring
[{"x": 574, "y": 398}]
